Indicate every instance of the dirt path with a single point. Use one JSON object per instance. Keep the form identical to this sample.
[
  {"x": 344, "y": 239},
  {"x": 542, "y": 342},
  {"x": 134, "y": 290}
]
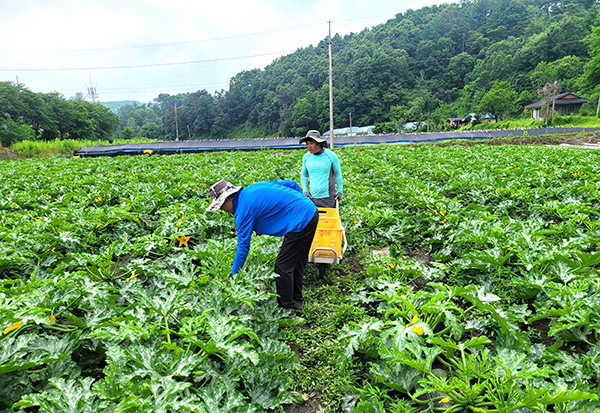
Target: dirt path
[{"x": 574, "y": 139}]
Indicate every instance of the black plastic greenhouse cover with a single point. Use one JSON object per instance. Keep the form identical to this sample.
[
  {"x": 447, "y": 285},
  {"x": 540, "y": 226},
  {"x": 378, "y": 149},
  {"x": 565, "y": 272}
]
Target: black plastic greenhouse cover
[{"x": 169, "y": 148}]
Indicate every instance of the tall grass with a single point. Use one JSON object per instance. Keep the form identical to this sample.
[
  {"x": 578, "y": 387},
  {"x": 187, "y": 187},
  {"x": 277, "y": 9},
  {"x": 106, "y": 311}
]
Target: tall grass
[{"x": 58, "y": 147}]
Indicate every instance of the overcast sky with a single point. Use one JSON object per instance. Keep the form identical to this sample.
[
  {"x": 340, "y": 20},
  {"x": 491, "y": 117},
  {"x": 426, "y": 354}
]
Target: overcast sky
[{"x": 137, "y": 49}]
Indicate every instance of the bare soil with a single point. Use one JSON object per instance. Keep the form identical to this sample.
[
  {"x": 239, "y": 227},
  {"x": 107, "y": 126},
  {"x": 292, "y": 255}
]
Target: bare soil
[
  {"x": 312, "y": 405},
  {"x": 571, "y": 139}
]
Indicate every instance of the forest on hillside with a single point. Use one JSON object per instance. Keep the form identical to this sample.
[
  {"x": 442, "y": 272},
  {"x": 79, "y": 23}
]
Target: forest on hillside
[{"x": 426, "y": 65}]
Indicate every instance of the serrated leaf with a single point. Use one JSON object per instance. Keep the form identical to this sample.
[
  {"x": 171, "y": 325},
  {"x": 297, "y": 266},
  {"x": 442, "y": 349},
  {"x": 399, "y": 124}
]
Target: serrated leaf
[{"x": 397, "y": 376}]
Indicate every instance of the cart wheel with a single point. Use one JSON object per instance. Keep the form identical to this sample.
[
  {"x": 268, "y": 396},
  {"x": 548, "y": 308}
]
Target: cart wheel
[{"x": 322, "y": 270}]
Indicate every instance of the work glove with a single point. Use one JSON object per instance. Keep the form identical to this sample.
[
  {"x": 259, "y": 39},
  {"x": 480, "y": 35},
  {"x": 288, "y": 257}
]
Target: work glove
[
  {"x": 339, "y": 196},
  {"x": 307, "y": 194}
]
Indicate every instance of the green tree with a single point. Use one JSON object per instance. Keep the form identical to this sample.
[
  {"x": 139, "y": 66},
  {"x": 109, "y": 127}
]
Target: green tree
[
  {"x": 18, "y": 102},
  {"x": 591, "y": 74},
  {"x": 50, "y": 116},
  {"x": 106, "y": 122},
  {"x": 398, "y": 113},
  {"x": 11, "y": 132},
  {"x": 458, "y": 69},
  {"x": 565, "y": 71},
  {"x": 152, "y": 130},
  {"x": 128, "y": 133},
  {"x": 499, "y": 101},
  {"x": 302, "y": 117},
  {"x": 198, "y": 112}
]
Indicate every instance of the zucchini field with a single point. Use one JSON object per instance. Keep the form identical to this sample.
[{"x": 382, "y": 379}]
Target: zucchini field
[{"x": 470, "y": 283}]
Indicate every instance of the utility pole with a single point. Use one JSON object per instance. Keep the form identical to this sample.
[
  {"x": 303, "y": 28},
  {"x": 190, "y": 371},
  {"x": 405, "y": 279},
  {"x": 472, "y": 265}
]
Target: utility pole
[
  {"x": 350, "y": 114},
  {"x": 554, "y": 87},
  {"x": 548, "y": 92},
  {"x": 92, "y": 92},
  {"x": 330, "y": 90},
  {"x": 176, "y": 125}
]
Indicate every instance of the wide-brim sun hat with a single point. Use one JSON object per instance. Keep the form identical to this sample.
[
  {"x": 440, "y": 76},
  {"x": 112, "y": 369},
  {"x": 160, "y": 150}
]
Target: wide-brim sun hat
[
  {"x": 219, "y": 193},
  {"x": 314, "y": 135}
]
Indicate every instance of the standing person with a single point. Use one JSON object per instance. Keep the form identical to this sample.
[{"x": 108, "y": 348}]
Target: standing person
[
  {"x": 320, "y": 167},
  {"x": 272, "y": 208}
]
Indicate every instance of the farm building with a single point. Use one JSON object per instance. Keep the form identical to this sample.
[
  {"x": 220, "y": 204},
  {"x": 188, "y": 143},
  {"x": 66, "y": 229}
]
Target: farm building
[
  {"x": 565, "y": 104},
  {"x": 355, "y": 130},
  {"x": 456, "y": 123}
]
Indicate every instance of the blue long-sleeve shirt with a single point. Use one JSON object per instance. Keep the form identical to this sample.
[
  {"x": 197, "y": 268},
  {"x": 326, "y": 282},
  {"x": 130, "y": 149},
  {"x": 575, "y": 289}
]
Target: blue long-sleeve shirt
[
  {"x": 324, "y": 172},
  {"x": 269, "y": 208}
]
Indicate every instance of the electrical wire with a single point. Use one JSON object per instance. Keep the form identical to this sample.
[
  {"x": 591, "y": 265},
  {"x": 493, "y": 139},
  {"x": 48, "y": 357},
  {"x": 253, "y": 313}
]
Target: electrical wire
[
  {"x": 182, "y": 43},
  {"x": 146, "y": 65}
]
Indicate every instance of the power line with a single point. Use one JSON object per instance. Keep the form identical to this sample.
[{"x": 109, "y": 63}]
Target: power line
[
  {"x": 185, "y": 42},
  {"x": 158, "y": 44},
  {"x": 147, "y": 65},
  {"x": 161, "y": 89},
  {"x": 203, "y": 85}
]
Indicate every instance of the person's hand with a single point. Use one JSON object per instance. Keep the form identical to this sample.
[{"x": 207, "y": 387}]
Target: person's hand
[
  {"x": 339, "y": 196},
  {"x": 307, "y": 194}
]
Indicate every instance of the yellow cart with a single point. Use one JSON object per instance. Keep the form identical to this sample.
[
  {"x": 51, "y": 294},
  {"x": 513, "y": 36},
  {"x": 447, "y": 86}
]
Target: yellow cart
[{"x": 329, "y": 243}]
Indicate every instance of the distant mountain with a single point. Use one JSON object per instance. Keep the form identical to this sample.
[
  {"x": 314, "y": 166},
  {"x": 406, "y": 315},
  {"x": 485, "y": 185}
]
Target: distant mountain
[{"x": 114, "y": 106}]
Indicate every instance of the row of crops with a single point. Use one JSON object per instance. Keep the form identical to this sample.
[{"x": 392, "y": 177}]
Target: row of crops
[{"x": 113, "y": 292}]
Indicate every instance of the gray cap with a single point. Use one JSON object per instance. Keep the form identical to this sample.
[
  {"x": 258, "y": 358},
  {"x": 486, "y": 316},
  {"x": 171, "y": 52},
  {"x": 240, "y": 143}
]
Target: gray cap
[
  {"x": 314, "y": 135},
  {"x": 219, "y": 193}
]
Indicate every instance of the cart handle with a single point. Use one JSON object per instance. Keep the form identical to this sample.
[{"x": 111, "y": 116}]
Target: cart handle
[
  {"x": 312, "y": 256},
  {"x": 337, "y": 207}
]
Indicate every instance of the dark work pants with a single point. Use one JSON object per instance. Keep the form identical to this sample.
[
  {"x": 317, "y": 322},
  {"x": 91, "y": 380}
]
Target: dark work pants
[
  {"x": 328, "y": 202},
  {"x": 291, "y": 263}
]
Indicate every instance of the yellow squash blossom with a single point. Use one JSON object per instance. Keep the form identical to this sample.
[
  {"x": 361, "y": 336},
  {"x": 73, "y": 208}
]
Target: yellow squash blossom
[
  {"x": 183, "y": 240},
  {"x": 12, "y": 327},
  {"x": 418, "y": 330}
]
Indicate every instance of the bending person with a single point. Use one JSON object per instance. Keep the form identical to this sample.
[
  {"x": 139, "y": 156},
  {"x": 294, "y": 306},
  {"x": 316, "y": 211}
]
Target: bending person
[
  {"x": 321, "y": 168},
  {"x": 272, "y": 208}
]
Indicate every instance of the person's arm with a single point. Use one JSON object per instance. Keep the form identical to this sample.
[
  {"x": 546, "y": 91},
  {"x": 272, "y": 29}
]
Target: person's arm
[
  {"x": 304, "y": 177},
  {"x": 337, "y": 171},
  {"x": 244, "y": 224}
]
